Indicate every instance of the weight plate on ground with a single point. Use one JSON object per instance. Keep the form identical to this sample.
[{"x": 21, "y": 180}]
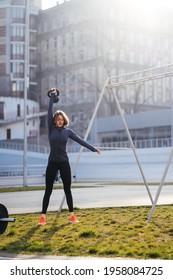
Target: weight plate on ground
[{"x": 3, "y": 214}]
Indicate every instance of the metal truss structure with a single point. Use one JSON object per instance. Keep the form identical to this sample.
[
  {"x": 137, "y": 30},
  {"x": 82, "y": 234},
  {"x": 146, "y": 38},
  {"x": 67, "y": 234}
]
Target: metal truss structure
[
  {"x": 112, "y": 83},
  {"x": 141, "y": 76}
]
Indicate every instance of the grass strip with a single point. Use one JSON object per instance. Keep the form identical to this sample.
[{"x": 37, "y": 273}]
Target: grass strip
[{"x": 79, "y": 185}]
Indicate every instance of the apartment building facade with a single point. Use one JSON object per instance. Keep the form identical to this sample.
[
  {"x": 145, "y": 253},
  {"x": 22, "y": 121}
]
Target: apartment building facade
[{"x": 13, "y": 42}]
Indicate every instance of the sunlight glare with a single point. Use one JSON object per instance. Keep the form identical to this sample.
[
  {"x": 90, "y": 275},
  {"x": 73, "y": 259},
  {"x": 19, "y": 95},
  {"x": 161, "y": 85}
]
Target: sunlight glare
[{"x": 148, "y": 10}]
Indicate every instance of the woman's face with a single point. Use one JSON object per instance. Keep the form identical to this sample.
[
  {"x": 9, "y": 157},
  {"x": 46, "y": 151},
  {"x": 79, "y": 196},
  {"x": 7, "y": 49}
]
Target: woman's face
[{"x": 59, "y": 121}]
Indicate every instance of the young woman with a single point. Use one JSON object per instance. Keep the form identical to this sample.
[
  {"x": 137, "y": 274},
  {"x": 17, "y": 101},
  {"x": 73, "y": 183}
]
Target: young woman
[{"x": 58, "y": 159}]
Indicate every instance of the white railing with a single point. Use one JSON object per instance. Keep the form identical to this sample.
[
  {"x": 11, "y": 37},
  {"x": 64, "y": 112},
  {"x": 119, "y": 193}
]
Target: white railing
[
  {"x": 39, "y": 169},
  {"x": 20, "y": 146},
  {"x": 139, "y": 144},
  {"x": 17, "y": 170}
]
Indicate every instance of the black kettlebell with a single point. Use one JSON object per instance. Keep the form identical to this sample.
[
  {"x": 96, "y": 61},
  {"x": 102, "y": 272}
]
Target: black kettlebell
[{"x": 56, "y": 96}]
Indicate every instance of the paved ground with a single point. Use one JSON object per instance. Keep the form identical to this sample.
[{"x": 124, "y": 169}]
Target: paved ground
[
  {"x": 6, "y": 256},
  {"x": 99, "y": 195}
]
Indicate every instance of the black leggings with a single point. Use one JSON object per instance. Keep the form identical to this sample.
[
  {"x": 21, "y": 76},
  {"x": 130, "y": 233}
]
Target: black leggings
[{"x": 65, "y": 173}]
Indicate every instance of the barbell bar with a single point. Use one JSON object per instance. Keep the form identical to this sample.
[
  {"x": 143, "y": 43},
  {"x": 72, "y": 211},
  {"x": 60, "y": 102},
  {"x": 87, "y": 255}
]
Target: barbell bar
[{"x": 4, "y": 218}]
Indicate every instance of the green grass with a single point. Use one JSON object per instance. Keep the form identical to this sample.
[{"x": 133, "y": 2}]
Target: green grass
[
  {"x": 76, "y": 185},
  {"x": 36, "y": 188},
  {"x": 21, "y": 189},
  {"x": 102, "y": 232}
]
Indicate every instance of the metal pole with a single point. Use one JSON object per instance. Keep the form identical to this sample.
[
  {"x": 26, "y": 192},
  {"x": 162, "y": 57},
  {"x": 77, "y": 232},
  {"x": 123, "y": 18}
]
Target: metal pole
[
  {"x": 160, "y": 186},
  {"x": 132, "y": 145},
  {"x": 171, "y": 101},
  {"x": 26, "y": 85},
  {"x": 38, "y": 135},
  {"x": 38, "y": 128},
  {"x": 86, "y": 135}
]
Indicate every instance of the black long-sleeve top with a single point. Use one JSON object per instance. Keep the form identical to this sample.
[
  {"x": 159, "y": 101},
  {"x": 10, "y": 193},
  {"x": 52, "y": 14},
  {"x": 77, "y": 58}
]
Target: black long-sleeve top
[{"x": 58, "y": 138}]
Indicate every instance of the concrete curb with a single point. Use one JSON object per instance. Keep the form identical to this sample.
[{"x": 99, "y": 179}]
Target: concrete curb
[{"x": 12, "y": 256}]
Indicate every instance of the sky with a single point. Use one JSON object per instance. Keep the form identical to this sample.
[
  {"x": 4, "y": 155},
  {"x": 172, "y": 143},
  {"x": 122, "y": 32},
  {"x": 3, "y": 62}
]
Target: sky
[{"x": 46, "y": 4}]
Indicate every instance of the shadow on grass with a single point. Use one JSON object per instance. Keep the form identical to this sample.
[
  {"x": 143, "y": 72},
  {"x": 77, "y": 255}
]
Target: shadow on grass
[
  {"x": 33, "y": 241},
  {"x": 53, "y": 228},
  {"x": 21, "y": 244}
]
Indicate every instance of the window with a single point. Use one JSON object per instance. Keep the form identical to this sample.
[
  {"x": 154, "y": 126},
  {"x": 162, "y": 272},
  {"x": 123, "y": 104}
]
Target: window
[
  {"x": 55, "y": 80},
  {"x": 55, "y": 42},
  {"x": 18, "y": 86},
  {"x": 63, "y": 59},
  {"x": 33, "y": 23},
  {"x": 45, "y": 27},
  {"x": 8, "y": 133},
  {"x": 81, "y": 36},
  {"x": 82, "y": 95},
  {"x": 17, "y": 69},
  {"x": 18, "y": 15},
  {"x": 32, "y": 73},
  {"x": 18, "y": 110},
  {"x": 47, "y": 45},
  {"x": 32, "y": 57},
  {"x": 17, "y": 51},
  {"x": 72, "y": 118},
  {"x": 1, "y": 110},
  {"x": 63, "y": 79},
  {"x": 131, "y": 57},
  {"x": 72, "y": 78},
  {"x": 81, "y": 115},
  {"x": 81, "y": 55},
  {"x": 72, "y": 57},
  {"x": 18, "y": 31},
  {"x": 141, "y": 58},
  {"x": 72, "y": 38},
  {"x": 63, "y": 41},
  {"x": 33, "y": 39},
  {"x": 90, "y": 53}
]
